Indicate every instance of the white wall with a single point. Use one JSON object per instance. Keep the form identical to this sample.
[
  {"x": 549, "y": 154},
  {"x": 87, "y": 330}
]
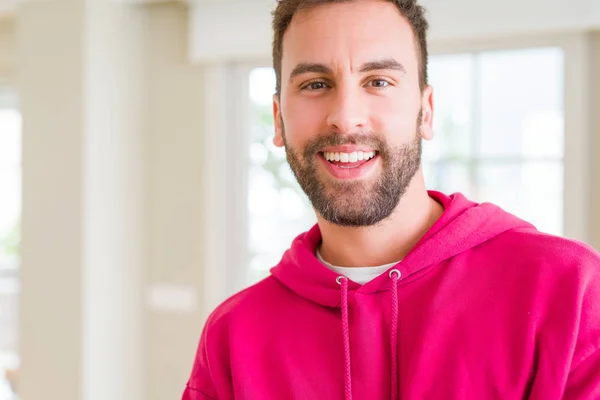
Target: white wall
[
  {"x": 113, "y": 200},
  {"x": 8, "y": 51},
  {"x": 459, "y": 19},
  {"x": 243, "y": 27},
  {"x": 174, "y": 168},
  {"x": 52, "y": 248},
  {"x": 81, "y": 98},
  {"x": 55, "y": 95}
]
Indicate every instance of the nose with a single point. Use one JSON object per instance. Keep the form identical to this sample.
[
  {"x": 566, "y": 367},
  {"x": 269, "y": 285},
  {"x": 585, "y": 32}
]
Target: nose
[{"x": 347, "y": 111}]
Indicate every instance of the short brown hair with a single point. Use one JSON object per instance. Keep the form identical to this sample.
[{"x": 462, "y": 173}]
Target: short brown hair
[{"x": 410, "y": 9}]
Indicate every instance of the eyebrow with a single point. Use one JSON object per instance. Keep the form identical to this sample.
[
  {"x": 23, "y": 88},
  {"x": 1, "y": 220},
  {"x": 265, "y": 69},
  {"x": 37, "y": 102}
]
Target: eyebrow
[
  {"x": 387, "y": 63},
  {"x": 304, "y": 68}
]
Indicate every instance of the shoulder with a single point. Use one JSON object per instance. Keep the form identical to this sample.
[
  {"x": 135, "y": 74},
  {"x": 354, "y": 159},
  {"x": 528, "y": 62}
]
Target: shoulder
[
  {"x": 549, "y": 250},
  {"x": 211, "y": 373},
  {"x": 563, "y": 277},
  {"x": 245, "y": 305},
  {"x": 557, "y": 269}
]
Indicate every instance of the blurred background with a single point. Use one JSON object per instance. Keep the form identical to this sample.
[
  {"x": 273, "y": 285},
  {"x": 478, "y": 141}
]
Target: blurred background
[{"x": 139, "y": 186}]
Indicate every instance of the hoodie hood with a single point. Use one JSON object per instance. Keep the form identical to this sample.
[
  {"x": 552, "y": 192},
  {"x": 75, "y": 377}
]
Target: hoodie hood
[{"x": 463, "y": 225}]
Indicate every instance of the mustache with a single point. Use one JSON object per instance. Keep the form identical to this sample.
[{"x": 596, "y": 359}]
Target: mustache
[{"x": 335, "y": 139}]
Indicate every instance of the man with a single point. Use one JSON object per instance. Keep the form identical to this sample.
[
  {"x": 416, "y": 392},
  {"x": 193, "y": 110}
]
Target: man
[{"x": 397, "y": 292}]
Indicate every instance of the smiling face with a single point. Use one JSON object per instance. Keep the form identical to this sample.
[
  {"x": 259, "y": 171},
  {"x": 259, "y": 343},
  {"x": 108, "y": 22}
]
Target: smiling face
[{"x": 351, "y": 113}]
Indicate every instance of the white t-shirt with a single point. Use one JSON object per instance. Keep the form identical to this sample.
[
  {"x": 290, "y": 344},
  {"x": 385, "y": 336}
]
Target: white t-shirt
[{"x": 359, "y": 275}]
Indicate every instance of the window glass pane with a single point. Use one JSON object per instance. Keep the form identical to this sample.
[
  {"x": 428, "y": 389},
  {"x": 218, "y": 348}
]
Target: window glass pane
[
  {"x": 521, "y": 98},
  {"x": 10, "y": 137},
  {"x": 532, "y": 191},
  {"x": 451, "y": 77},
  {"x": 10, "y": 186},
  {"x": 10, "y": 212},
  {"x": 278, "y": 209},
  {"x": 448, "y": 177}
]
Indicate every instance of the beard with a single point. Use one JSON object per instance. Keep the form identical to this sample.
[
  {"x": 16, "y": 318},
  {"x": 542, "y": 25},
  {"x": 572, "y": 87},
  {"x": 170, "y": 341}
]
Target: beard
[{"x": 358, "y": 203}]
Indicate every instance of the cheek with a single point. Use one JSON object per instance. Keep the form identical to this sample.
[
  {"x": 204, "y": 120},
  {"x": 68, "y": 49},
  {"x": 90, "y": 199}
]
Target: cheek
[
  {"x": 395, "y": 119},
  {"x": 303, "y": 121}
]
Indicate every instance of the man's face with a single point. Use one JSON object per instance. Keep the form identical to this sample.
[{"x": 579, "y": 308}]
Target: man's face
[{"x": 351, "y": 114}]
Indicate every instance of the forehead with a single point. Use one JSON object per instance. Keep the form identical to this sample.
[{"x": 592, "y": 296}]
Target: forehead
[{"x": 348, "y": 34}]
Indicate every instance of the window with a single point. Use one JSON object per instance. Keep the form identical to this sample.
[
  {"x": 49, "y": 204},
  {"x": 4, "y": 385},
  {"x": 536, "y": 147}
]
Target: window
[
  {"x": 499, "y": 137},
  {"x": 10, "y": 212},
  {"x": 278, "y": 209},
  {"x": 499, "y": 131}
]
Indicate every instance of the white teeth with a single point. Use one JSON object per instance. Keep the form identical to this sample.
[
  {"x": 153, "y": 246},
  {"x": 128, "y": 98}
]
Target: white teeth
[{"x": 349, "y": 157}]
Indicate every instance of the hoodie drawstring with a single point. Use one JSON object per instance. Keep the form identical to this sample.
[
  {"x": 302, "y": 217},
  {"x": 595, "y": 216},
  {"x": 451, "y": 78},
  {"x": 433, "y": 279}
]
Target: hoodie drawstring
[
  {"x": 394, "y": 276},
  {"x": 343, "y": 282}
]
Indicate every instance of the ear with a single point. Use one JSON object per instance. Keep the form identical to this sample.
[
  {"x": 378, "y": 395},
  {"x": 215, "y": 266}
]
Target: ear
[
  {"x": 427, "y": 118},
  {"x": 278, "y": 139}
]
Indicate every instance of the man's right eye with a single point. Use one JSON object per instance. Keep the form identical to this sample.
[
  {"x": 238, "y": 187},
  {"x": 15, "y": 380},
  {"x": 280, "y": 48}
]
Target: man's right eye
[{"x": 315, "y": 85}]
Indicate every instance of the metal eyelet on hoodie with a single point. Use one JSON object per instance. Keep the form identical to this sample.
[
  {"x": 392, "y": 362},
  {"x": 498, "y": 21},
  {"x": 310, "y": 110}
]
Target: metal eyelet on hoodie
[
  {"x": 341, "y": 280},
  {"x": 397, "y": 273}
]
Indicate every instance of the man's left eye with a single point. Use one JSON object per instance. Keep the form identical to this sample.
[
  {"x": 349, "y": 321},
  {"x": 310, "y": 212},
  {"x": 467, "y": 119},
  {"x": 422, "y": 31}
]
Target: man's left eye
[{"x": 379, "y": 83}]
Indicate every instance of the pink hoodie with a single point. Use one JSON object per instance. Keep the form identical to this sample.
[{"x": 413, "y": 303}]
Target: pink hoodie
[{"x": 484, "y": 307}]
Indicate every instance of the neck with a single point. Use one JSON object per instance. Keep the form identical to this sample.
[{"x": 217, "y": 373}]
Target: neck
[{"x": 388, "y": 241}]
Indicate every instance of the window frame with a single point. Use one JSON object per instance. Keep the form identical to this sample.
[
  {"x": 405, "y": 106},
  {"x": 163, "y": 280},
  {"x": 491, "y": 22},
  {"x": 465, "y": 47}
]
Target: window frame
[{"x": 474, "y": 162}]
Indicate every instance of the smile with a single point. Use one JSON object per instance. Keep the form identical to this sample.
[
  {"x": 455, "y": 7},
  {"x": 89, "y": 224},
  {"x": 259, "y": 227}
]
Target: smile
[
  {"x": 353, "y": 165},
  {"x": 349, "y": 157}
]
